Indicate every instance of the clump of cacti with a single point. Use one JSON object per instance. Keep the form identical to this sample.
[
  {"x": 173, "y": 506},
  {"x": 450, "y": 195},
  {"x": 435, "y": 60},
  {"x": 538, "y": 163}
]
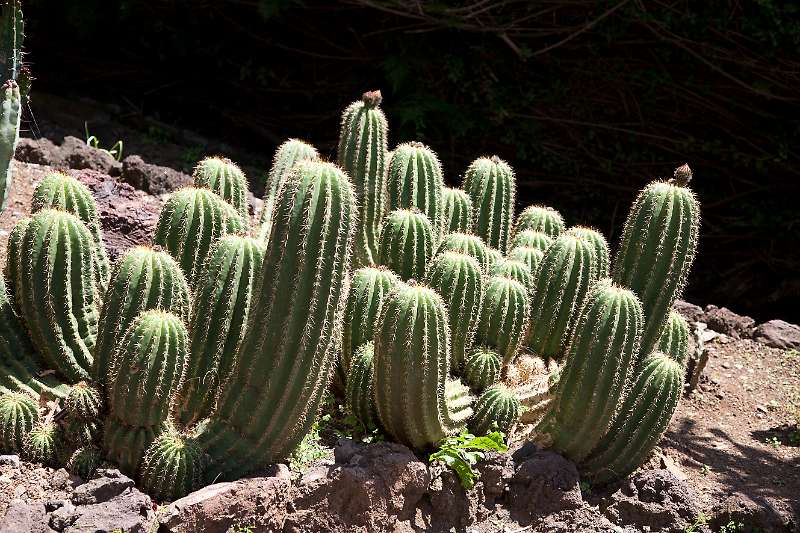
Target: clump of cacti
[
  {"x": 406, "y": 244},
  {"x": 490, "y": 183},
  {"x": 498, "y": 407},
  {"x": 224, "y": 177}
]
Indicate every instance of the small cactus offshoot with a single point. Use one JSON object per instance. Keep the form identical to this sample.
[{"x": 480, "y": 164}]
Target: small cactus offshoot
[
  {"x": 497, "y": 406},
  {"x": 482, "y": 369},
  {"x": 18, "y": 414}
]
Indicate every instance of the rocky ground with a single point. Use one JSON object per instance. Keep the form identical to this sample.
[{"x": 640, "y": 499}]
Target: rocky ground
[{"x": 731, "y": 455}]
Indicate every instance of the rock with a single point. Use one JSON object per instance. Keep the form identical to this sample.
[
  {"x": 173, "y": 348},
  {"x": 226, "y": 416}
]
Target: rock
[
  {"x": 652, "y": 498},
  {"x": 448, "y": 504},
  {"x": 109, "y": 484},
  {"x": 778, "y": 334},
  {"x": 40, "y": 151},
  {"x": 259, "y": 502},
  {"x": 153, "y": 179},
  {"x": 10, "y": 460},
  {"x": 691, "y": 312},
  {"x": 76, "y": 154},
  {"x": 544, "y": 482},
  {"x": 495, "y": 471},
  {"x": 723, "y": 320},
  {"x": 52, "y": 505},
  {"x": 23, "y": 516},
  {"x": 583, "y": 519},
  {"x": 761, "y": 514},
  {"x": 130, "y": 511},
  {"x": 63, "y": 517}
]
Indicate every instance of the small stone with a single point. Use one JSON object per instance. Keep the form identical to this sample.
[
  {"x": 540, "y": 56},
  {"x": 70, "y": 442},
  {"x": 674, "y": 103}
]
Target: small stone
[
  {"x": 723, "y": 320},
  {"x": 22, "y": 516},
  {"x": 109, "y": 484},
  {"x": 63, "y": 517},
  {"x": 52, "y": 505},
  {"x": 11, "y": 460},
  {"x": 778, "y": 334}
]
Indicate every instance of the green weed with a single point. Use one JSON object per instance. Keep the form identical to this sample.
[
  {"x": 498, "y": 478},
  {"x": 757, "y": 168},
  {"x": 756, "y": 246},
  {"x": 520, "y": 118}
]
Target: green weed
[{"x": 461, "y": 452}]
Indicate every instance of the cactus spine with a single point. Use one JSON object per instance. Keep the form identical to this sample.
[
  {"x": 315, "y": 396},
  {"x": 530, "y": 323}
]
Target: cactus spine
[
  {"x": 513, "y": 269},
  {"x": 482, "y": 369},
  {"x": 221, "y": 307},
  {"x": 142, "y": 279},
  {"x": 657, "y": 249},
  {"x": 458, "y": 280},
  {"x": 531, "y": 257},
  {"x": 602, "y": 256},
  {"x": 674, "y": 340},
  {"x": 491, "y": 186},
  {"x": 600, "y": 356},
  {"x": 189, "y": 225},
  {"x": 363, "y": 156},
  {"x": 456, "y": 211},
  {"x": 40, "y": 444},
  {"x": 18, "y": 414},
  {"x": 10, "y": 116},
  {"x": 294, "y": 326},
  {"x": 415, "y": 181},
  {"x": 533, "y": 239},
  {"x": 562, "y": 281},
  {"x": 412, "y": 351},
  {"x": 504, "y": 317},
  {"x": 173, "y": 466},
  {"x": 643, "y": 418},
  {"x": 540, "y": 218},
  {"x": 465, "y": 243},
  {"x": 406, "y": 243},
  {"x": 360, "y": 393},
  {"x": 497, "y": 405},
  {"x": 224, "y": 177}
]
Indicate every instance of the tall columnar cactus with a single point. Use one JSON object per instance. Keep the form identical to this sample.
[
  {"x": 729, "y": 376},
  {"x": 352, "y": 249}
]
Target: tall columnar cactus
[
  {"x": 144, "y": 376},
  {"x": 456, "y": 211},
  {"x": 531, "y": 257},
  {"x": 540, "y": 218},
  {"x": 224, "y": 177},
  {"x": 458, "y": 280},
  {"x": 369, "y": 287},
  {"x": 293, "y": 328},
  {"x": 490, "y": 183},
  {"x": 643, "y": 418},
  {"x": 220, "y": 310},
  {"x": 14, "y": 85},
  {"x": 412, "y": 351},
  {"x": 286, "y": 157},
  {"x": 189, "y": 225},
  {"x": 658, "y": 248},
  {"x": 406, "y": 244},
  {"x": 533, "y": 239},
  {"x": 561, "y": 283},
  {"x": 602, "y": 256},
  {"x": 360, "y": 392},
  {"x": 142, "y": 279},
  {"x": 12, "y": 34},
  {"x": 498, "y": 405},
  {"x": 415, "y": 181},
  {"x": 513, "y": 269},
  {"x": 600, "y": 358},
  {"x": 10, "y": 116},
  {"x": 363, "y": 156},
  {"x": 674, "y": 340},
  {"x": 465, "y": 243},
  {"x": 173, "y": 465},
  {"x": 18, "y": 414},
  {"x": 504, "y": 317},
  {"x": 57, "y": 292},
  {"x": 482, "y": 368},
  {"x": 63, "y": 192}
]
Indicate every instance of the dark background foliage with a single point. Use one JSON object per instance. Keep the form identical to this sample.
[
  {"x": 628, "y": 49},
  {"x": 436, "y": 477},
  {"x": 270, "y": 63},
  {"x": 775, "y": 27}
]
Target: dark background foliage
[{"x": 587, "y": 100}]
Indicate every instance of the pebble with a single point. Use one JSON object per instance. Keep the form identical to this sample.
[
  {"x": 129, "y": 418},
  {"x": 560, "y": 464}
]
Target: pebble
[{"x": 12, "y": 460}]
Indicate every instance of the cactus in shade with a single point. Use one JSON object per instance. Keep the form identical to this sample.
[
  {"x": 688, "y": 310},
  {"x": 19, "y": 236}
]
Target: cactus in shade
[
  {"x": 674, "y": 340},
  {"x": 40, "y": 444},
  {"x": 142, "y": 279},
  {"x": 657, "y": 249},
  {"x": 540, "y": 218},
  {"x": 458, "y": 280},
  {"x": 482, "y": 369},
  {"x": 412, "y": 352},
  {"x": 465, "y": 243},
  {"x": 12, "y": 35},
  {"x": 18, "y": 414},
  {"x": 14, "y": 85},
  {"x": 496, "y": 406},
  {"x": 531, "y": 257},
  {"x": 65, "y": 193},
  {"x": 224, "y": 177},
  {"x": 600, "y": 356},
  {"x": 643, "y": 418},
  {"x": 458, "y": 397},
  {"x": 415, "y": 181},
  {"x": 10, "y": 115},
  {"x": 294, "y": 326},
  {"x": 173, "y": 465},
  {"x": 533, "y": 239},
  {"x": 504, "y": 317},
  {"x": 602, "y": 256},
  {"x": 79, "y": 431},
  {"x": 369, "y": 287},
  {"x": 84, "y": 462},
  {"x": 189, "y": 225},
  {"x": 363, "y": 156},
  {"x": 561, "y": 283},
  {"x": 13, "y": 257},
  {"x": 220, "y": 310},
  {"x": 490, "y": 183},
  {"x": 406, "y": 243},
  {"x": 56, "y": 290},
  {"x": 359, "y": 391},
  {"x": 84, "y": 401},
  {"x": 456, "y": 211},
  {"x": 513, "y": 269},
  {"x": 143, "y": 378},
  {"x": 286, "y": 157}
]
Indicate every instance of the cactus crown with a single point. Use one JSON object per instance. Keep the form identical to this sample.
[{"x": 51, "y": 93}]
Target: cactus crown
[
  {"x": 224, "y": 177},
  {"x": 540, "y": 218},
  {"x": 406, "y": 243}
]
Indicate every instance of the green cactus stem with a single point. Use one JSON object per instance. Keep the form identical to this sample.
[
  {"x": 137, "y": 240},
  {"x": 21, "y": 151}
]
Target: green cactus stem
[
  {"x": 415, "y": 182},
  {"x": 490, "y": 183},
  {"x": 12, "y": 35},
  {"x": 224, "y": 177},
  {"x": 173, "y": 466},
  {"x": 504, "y": 317},
  {"x": 496, "y": 407},
  {"x": 602, "y": 256},
  {"x": 513, "y": 269},
  {"x": 40, "y": 444},
  {"x": 10, "y": 116},
  {"x": 456, "y": 211},
  {"x": 492, "y": 258},
  {"x": 406, "y": 243},
  {"x": 531, "y": 257},
  {"x": 84, "y": 462},
  {"x": 674, "y": 340},
  {"x": 360, "y": 394},
  {"x": 465, "y": 243},
  {"x": 84, "y": 401},
  {"x": 482, "y": 369},
  {"x": 540, "y": 218},
  {"x": 533, "y": 239},
  {"x": 18, "y": 414}
]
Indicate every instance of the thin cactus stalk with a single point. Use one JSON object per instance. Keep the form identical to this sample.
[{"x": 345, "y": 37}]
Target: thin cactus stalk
[
  {"x": 504, "y": 317},
  {"x": 533, "y": 239},
  {"x": 456, "y": 211},
  {"x": 497, "y": 407},
  {"x": 602, "y": 255},
  {"x": 643, "y": 418},
  {"x": 294, "y": 326},
  {"x": 674, "y": 340},
  {"x": 18, "y": 414},
  {"x": 458, "y": 280},
  {"x": 406, "y": 243},
  {"x": 221, "y": 307},
  {"x": 490, "y": 183},
  {"x": 465, "y": 243},
  {"x": 658, "y": 248},
  {"x": 12, "y": 35},
  {"x": 173, "y": 466},
  {"x": 10, "y": 116},
  {"x": 412, "y": 352},
  {"x": 360, "y": 393},
  {"x": 142, "y": 279},
  {"x": 513, "y": 269},
  {"x": 530, "y": 256},
  {"x": 540, "y": 218},
  {"x": 363, "y": 155},
  {"x": 482, "y": 369},
  {"x": 224, "y": 177},
  {"x": 41, "y": 443},
  {"x": 597, "y": 370},
  {"x": 415, "y": 182},
  {"x": 561, "y": 283}
]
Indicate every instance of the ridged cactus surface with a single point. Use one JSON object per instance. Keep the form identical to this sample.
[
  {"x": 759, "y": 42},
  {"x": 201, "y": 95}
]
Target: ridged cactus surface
[
  {"x": 224, "y": 177},
  {"x": 360, "y": 392},
  {"x": 540, "y": 218},
  {"x": 497, "y": 406},
  {"x": 40, "y": 444},
  {"x": 491, "y": 185},
  {"x": 406, "y": 243},
  {"x": 13, "y": 251},
  {"x": 674, "y": 340},
  {"x": 530, "y": 256},
  {"x": 415, "y": 182},
  {"x": 602, "y": 255},
  {"x": 456, "y": 211},
  {"x": 10, "y": 116},
  {"x": 513, "y": 269},
  {"x": 533, "y": 239},
  {"x": 482, "y": 368},
  {"x": 85, "y": 461},
  {"x": 172, "y": 467},
  {"x": 465, "y": 243},
  {"x": 84, "y": 401},
  {"x": 18, "y": 414},
  {"x": 504, "y": 316}
]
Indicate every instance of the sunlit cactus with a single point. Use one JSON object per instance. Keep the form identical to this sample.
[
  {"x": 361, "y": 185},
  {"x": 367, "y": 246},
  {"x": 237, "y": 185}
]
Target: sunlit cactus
[
  {"x": 490, "y": 183},
  {"x": 173, "y": 466},
  {"x": 415, "y": 182},
  {"x": 84, "y": 401},
  {"x": 18, "y": 414},
  {"x": 540, "y": 218},
  {"x": 456, "y": 211},
  {"x": 533, "y": 239},
  {"x": 465, "y": 243},
  {"x": 496, "y": 407},
  {"x": 513, "y": 269},
  {"x": 602, "y": 256},
  {"x": 10, "y": 116},
  {"x": 530, "y": 256},
  {"x": 406, "y": 243},
  {"x": 224, "y": 177},
  {"x": 674, "y": 340},
  {"x": 360, "y": 395},
  {"x": 504, "y": 316},
  {"x": 482, "y": 368},
  {"x": 40, "y": 443}
]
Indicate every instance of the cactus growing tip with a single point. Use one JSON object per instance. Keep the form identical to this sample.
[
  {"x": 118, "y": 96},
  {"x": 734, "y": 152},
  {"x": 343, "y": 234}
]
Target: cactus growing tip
[
  {"x": 372, "y": 98},
  {"x": 683, "y": 175}
]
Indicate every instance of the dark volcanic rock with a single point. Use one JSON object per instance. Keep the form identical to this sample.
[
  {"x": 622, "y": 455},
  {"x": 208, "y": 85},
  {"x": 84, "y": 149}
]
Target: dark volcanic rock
[
  {"x": 130, "y": 511},
  {"x": 153, "y": 179},
  {"x": 691, "y": 312},
  {"x": 778, "y": 334},
  {"x": 76, "y": 154},
  {"x": 40, "y": 151},
  {"x": 22, "y": 516},
  {"x": 723, "y": 320},
  {"x": 107, "y": 485},
  {"x": 762, "y": 515}
]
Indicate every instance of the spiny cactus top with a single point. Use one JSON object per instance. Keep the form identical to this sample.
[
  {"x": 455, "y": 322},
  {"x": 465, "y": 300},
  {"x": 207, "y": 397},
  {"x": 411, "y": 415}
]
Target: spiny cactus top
[
  {"x": 513, "y": 269},
  {"x": 225, "y": 178},
  {"x": 456, "y": 211},
  {"x": 465, "y": 243},
  {"x": 534, "y": 239},
  {"x": 602, "y": 256},
  {"x": 490, "y": 183},
  {"x": 497, "y": 406},
  {"x": 18, "y": 414},
  {"x": 363, "y": 156},
  {"x": 84, "y": 401},
  {"x": 658, "y": 248},
  {"x": 482, "y": 368},
  {"x": 173, "y": 465},
  {"x": 674, "y": 340},
  {"x": 406, "y": 243},
  {"x": 415, "y": 181},
  {"x": 530, "y": 256},
  {"x": 540, "y": 218}
]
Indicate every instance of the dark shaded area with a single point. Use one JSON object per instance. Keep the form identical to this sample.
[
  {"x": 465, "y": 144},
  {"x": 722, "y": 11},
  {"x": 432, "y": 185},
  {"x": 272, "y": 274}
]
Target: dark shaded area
[{"x": 587, "y": 100}]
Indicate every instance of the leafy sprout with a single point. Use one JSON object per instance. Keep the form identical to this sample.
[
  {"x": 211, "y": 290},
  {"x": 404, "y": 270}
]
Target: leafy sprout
[{"x": 463, "y": 451}]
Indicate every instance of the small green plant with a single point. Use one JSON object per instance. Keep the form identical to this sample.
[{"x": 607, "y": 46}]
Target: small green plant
[
  {"x": 91, "y": 140},
  {"x": 732, "y": 527},
  {"x": 586, "y": 488},
  {"x": 241, "y": 529},
  {"x": 695, "y": 526},
  {"x": 310, "y": 448},
  {"x": 463, "y": 451},
  {"x": 774, "y": 442},
  {"x": 705, "y": 470}
]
